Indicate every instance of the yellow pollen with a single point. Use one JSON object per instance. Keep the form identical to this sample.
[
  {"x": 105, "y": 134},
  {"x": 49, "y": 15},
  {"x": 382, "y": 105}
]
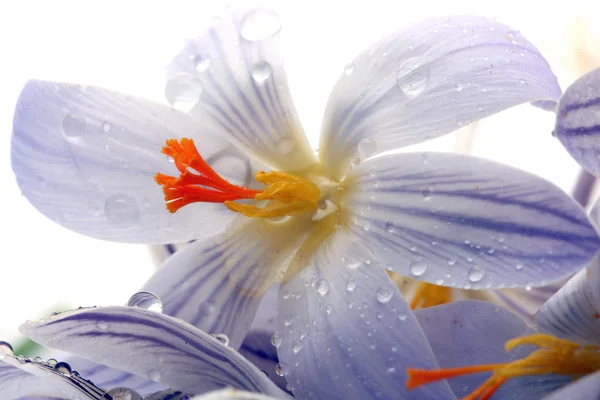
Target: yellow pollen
[
  {"x": 287, "y": 194},
  {"x": 554, "y": 356},
  {"x": 429, "y": 295}
]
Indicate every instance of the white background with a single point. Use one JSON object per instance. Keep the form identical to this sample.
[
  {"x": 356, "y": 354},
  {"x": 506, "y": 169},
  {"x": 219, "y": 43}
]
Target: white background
[{"x": 126, "y": 46}]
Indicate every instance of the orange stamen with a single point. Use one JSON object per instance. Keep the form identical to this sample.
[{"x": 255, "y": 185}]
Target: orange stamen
[
  {"x": 205, "y": 186},
  {"x": 418, "y": 377}
]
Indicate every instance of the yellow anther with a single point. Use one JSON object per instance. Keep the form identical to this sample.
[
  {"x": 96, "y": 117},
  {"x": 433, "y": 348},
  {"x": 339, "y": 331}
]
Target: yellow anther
[
  {"x": 287, "y": 194},
  {"x": 429, "y": 295}
]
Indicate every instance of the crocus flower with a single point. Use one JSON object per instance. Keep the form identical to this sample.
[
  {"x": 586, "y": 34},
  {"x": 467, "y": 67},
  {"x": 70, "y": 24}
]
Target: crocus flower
[{"x": 237, "y": 173}]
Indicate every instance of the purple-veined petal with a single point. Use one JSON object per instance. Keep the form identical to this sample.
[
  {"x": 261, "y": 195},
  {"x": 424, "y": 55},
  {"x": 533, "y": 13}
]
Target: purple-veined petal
[
  {"x": 107, "y": 377},
  {"x": 216, "y": 284},
  {"x": 86, "y": 158},
  {"x": 345, "y": 331},
  {"x": 232, "y": 394},
  {"x": 258, "y": 349},
  {"x": 168, "y": 394},
  {"x": 474, "y": 332},
  {"x": 578, "y": 121},
  {"x": 462, "y": 221},
  {"x": 595, "y": 213},
  {"x": 574, "y": 311},
  {"x": 232, "y": 80},
  {"x": 524, "y": 302},
  {"x": 134, "y": 340},
  {"x": 428, "y": 80},
  {"x": 587, "y": 387},
  {"x": 21, "y": 377}
]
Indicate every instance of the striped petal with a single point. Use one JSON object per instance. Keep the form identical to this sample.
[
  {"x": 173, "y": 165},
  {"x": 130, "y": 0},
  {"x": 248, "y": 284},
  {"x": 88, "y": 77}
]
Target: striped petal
[
  {"x": 474, "y": 332},
  {"x": 86, "y": 158},
  {"x": 346, "y": 332},
  {"x": 466, "y": 222},
  {"x": 428, "y": 80},
  {"x": 587, "y": 387},
  {"x": 216, "y": 284},
  {"x": 578, "y": 121},
  {"x": 574, "y": 311},
  {"x": 232, "y": 394},
  {"x": 21, "y": 377},
  {"x": 232, "y": 79},
  {"x": 133, "y": 339}
]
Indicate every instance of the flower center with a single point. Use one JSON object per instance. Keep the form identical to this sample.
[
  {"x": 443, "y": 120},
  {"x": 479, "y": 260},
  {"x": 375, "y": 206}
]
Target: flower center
[
  {"x": 429, "y": 295},
  {"x": 285, "y": 193},
  {"x": 554, "y": 356}
]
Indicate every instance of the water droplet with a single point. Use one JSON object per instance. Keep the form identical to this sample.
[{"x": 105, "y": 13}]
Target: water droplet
[
  {"x": 411, "y": 77},
  {"x": 51, "y": 362},
  {"x": 106, "y": 127},
  {"x": 280, "y": 369},
  {"x": 146, "y": 300},
  {"x": 439, "y": 282},
  {"x": 5, "y": 349},
  {"x": 519, "y": 266},
  {"x": 322, "y": 287},
  {"x": 349, "y": 69},
  {"x": 37, "y": 359},
  {"x": 426, "y": 193},
  {"x": 63, "y": 368},
  {"x": 183, "y": 92},
  {"x": 328, "y": 309},
  {"x": 366, "y": 227},
  {"x": 384, "y": 294},
  {"x": 286, "y": 146},
  {"x": 491, "y": 251},
  {"x": 350, "y": 284},
  {"x": 103, "y": 326},
  {"x": 122, "y": 393},
  {"x": 75, "y": 125},
  {"x": 402, "y": 317},
  {"x": 201, "y": 63},
  {"x": 355, "y": 162},
  {"x": 475, "y": 273},
  {"x": 389, "y": 226},
  {"x": 287, "y": 319},
  {"x": 261, "y": 71},
  {"x": 260, "y": 24},
  {"x": 296, "y": 346},
  {"x": 154, "y": 375},
  {"x": 528, "y": 288},
  {"x": 451, "y": 262},
  {"x": 418, "y": 267},
  {"x": 121, "y": 209},
  {"x": 276, "y": 340},
  {"x": 221, "y": 337},
  {"x": 367, "y": 148},
  {"x": 390, "y": 366}
]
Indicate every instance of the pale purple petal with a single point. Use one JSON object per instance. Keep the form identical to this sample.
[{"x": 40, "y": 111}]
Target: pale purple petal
[
  {"x": 231, "y": 394},
  {"x": 574, "y": 311},
  {"x": 462, "y": 221},
  {"x": 134, "y": 339},
  {"x": 578, "y": 121},
  {"x": 428, "y": 80},
  {"x": 86, "y": 158},
  {"x": 216, "y": 284},
  {"x": 587, "y": 387},
  {"x": 232, "y": 80},
  {"x": 346, "y": 332}
]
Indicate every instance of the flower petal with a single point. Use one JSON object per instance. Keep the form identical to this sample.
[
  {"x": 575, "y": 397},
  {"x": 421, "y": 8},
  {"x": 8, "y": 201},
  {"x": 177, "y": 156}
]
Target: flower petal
[
  {"x": 578, "y": 121},
  {"x": 232, "y": 79},
  {"x": 109, "y": 378},
  {"x": 345, "y": 331},
  {"x": 86, "y": 158},
  {"x": 232, "y": 394},
  {"x": 24, "y": 377},
  {"x": 524, "y": 302},
  {"x": 462, "y": 221},
  {"x": 474, "y": 332},
  {"x": 429, "y": 80},
  {"x": 587, "y": 387},
  {"x": 216, "y": 284},
  {"x": 574, "y": 311}
]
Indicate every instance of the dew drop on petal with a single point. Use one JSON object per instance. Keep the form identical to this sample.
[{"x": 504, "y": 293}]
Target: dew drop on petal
[
  {"x": 260, "y": 24},
  {"x": 146, "y": 300},
  {"x": 121, "y": 209},
  {"x": 402, "y": 317},
  {"x": 328, "y": 309},
  {"x": 350, "y": 284},
  {"x": 103, "y": 326},
  {"x": 367, "y": 148},
  {"x": 5, "y": 349},
  {"x": 63, "y": 368},
  {"x": 280, "y": 369},
  {"x": 75, "y": 125},
  {"x": 475, "y": 273},
  {"x": 261, "y": 71},
  {"x": 106, "y": 126},
  {"x": 519, "y": 266},
  {"x": 154, "y": 375},
  {"x": 322, "y": 287},
  {"x": 287, "y": 319},
  {"x": 349, "y": 69},
  {"x": 384, "y": 294},
  {"x": 411, "y": 77},
  {"x": 183, "y": 92},
  {"x": 276, "y": 340},
  {"x": 221, "y": 337},
  {"x": 389, "y": 227},
  {"x": 52, "y": 362},
  {"x": 296, "y": 346},
  {"x": 418, "y": 267},
  {"x": 426, "y": 193},
  {"x": 122, "y": 393},
  {"x": 201, "y": 63}
]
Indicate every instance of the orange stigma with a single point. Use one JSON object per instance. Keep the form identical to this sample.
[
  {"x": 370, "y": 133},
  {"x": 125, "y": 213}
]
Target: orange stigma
[
  {"x": 204, "y": 186},
  {"x": 554, "y": 356},
  {"x": 429, "y": 295}
]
